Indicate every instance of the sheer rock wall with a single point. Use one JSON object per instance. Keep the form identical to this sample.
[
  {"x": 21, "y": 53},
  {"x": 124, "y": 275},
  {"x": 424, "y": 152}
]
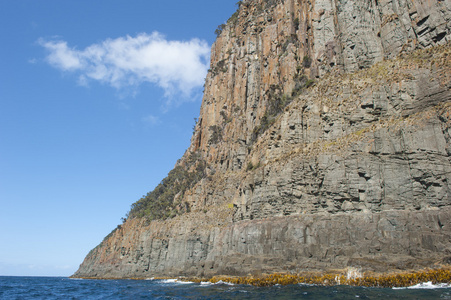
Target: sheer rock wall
[{"x": 353, "y": 170}]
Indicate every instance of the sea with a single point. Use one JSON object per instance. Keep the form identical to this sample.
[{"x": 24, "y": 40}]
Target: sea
[{"x": 66, "y": 288}]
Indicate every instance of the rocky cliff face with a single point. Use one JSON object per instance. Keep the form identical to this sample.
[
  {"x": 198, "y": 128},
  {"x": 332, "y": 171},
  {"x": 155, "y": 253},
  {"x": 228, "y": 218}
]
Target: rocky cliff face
[{"x": 325, "y": 132}]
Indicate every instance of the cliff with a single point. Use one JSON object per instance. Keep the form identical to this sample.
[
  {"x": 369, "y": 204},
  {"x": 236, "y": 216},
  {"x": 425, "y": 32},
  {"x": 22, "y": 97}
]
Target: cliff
[{"x": 323, "y": 142}]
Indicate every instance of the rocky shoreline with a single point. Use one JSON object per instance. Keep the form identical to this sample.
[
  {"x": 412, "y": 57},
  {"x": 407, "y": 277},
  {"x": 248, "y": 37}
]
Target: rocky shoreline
[{"x": 351, "y": 277}]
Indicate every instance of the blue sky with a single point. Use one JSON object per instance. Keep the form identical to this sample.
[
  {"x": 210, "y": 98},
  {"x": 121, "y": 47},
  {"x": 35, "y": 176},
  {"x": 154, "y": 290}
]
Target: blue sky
[{"x": 97, "y": 103}]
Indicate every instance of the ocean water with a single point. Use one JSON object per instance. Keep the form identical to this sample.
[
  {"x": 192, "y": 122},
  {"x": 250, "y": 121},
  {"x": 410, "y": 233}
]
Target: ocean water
[{"x": 65, "y": 288}]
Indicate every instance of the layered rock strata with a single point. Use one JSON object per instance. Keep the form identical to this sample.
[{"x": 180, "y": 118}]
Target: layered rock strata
[{"x": 325, "y": 132}]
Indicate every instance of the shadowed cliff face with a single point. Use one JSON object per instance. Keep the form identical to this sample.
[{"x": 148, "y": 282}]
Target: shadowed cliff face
[{"x": 325, "y": 131}]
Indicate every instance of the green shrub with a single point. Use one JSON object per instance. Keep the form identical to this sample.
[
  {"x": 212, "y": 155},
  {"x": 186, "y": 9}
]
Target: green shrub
[
  {"x": 292, "y": 39},
  {"x": 301, "y": 83},
  {"x": 195, "y": 124},
  {"x": 296, "y": 23},
  {"x": 216, "y": 134},
  {"x": 265, "y": 122},
  {"x": 220, "y": 67},
  {"x": 233, "y": 19},
  {"x": 161, "y": 203},
  {"x": 219, "y": 30},
  {"x": 307, "y": 61}
]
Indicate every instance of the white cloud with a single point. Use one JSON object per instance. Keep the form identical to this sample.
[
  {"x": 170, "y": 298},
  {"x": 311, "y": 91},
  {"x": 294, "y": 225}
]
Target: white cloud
[
  {"x": 61, "y": 56},
  {"x": 175, "y": 66}
]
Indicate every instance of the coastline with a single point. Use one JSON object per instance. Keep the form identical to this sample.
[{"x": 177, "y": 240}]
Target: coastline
[{"x": 350, "y": 277}]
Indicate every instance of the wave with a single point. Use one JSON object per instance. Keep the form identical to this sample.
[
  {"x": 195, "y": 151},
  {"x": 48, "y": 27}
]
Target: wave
[
  {"x": 426, "y": 286},
  {"x": 307, "y": 284},
  {"x": 175, "y": 281},
  {"x": 207, "y": 283}
]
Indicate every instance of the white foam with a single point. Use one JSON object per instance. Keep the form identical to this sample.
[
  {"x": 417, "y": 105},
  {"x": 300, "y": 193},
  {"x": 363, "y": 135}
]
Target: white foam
[
  {"x": 184, "y": 282},
  {"x": 174, "y": 281},
  {"x": 429, "y": 285},
  {"x": 426, "y": 285},
  {"x": 306, "y": 284},
  {"x": 219, "y": 282},
  {"x": 224, "y": 282}
]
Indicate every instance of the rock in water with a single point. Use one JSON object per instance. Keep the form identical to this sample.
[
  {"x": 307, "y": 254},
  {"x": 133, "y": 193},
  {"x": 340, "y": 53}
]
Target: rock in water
[{"x": 323, "y": 142}]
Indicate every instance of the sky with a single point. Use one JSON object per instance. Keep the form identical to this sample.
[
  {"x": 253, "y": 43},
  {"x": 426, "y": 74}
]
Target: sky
[{"x": 97, "y": 103}]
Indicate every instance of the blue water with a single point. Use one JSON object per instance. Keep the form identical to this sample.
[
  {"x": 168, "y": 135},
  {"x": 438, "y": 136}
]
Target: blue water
[{"x": 65, "y": 288}]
